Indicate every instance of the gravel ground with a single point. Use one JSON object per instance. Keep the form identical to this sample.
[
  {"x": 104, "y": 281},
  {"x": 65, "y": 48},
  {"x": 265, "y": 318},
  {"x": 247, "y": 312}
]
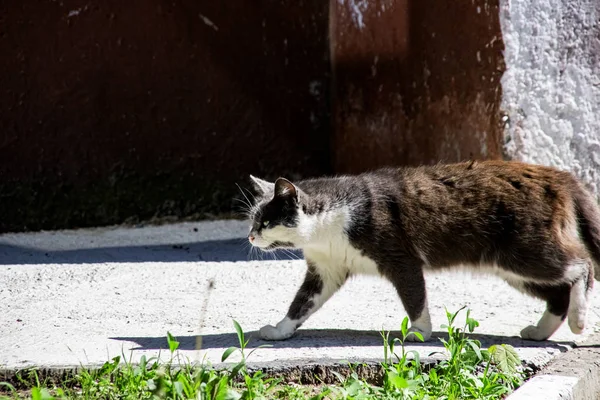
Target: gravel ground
[{"x": 82, "y": 297}]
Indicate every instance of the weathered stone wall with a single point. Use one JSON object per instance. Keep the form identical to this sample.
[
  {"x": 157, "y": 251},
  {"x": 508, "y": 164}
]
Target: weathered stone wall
[
  {"x": 415, "y": 82},
  {"x": 551, "y": 88}
]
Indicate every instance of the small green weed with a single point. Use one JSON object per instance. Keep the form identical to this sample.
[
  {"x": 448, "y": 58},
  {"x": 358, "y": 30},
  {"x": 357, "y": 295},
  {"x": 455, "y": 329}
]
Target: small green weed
[
  {"x": 460, "y": 376},
  {"x": 467, "y": 372}
]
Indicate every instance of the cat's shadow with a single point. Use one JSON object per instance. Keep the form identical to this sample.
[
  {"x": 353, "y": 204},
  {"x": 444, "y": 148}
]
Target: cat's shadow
[{"x": 322, "y": 338}]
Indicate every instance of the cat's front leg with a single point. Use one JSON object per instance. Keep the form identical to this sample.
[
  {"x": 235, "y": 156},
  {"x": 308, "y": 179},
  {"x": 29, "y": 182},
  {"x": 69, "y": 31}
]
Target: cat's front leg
[{"x": 316, "y": 289}]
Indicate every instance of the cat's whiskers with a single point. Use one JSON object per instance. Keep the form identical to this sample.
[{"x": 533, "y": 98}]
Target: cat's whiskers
[
  {"x": 242, "y": 211},
  {"x": 247, "y": 206},
  {"x": 253, "y": 196},
  {"x": 293, "y": 255},
  {"x": 244, "y": 194},
  {"x": 248, "y": 247}
]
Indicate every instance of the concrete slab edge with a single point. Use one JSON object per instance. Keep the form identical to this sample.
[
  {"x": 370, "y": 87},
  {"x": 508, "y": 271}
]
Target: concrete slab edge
[
  {"x": 305, "y": 372},
  {"x": 574, "y": 375}
]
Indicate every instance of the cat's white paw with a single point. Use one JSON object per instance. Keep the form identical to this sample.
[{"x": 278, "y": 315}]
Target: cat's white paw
[
  {"x": 577, "y": 319},
  {"x": 577, "y": 324},
  {"x": 426, "y": 333},
  {"x": 270, "y": 332},
  {"x": 533, "y": 332}
]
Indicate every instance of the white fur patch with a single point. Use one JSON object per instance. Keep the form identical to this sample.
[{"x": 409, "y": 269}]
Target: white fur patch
[
  {"x": 323, "y": 239},
  {"x": 279, "y": 233},
  {"x": 421, "y": 325},
  {"x": 578, "y": 306},
  {"x": 575, "y": 271},
  {"x": 515, "y": 280},
  {"x": 284, "y": 330},
  {"x": 546, "y": 326},
  {"x": 511, "y": 278},
  {"x": 327, "y": 245},
  {"x": 260, "y": 242}
]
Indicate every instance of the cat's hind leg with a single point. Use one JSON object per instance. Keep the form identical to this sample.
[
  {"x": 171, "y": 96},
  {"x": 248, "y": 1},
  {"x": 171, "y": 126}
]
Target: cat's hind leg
[
  {"x": 410, "y": 285},
  {"x": 557, "y": 305},
  {"x": 316, "y": 289},
  {"x": 578, "y": 307}
]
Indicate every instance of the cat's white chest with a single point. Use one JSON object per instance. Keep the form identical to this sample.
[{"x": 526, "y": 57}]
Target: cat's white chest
[
  {"x": 339, "y": 257},
  {"x": 329, "y": 246}
]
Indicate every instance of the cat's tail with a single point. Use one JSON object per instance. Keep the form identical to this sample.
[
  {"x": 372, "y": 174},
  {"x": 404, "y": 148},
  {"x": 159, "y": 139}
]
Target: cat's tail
[{"x": 588, "y": 219}]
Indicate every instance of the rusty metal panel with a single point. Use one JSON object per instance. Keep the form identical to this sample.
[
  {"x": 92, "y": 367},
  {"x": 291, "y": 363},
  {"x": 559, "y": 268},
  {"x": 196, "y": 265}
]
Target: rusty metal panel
[
  {"x": 139, "y": 109},
  {"x": 415, "y": 82}
]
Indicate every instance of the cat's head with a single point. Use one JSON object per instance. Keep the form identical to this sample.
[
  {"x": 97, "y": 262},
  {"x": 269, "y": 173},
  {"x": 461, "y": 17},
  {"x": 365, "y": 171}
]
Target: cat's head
[{"x": 275, "y": 214}]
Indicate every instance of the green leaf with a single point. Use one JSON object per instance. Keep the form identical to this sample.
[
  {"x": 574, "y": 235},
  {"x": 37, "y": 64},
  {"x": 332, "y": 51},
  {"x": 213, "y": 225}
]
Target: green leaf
[
  {"x": 505, "y": 357},
  {"x": 225, "y": 393},
  {"x": 8, "y": 386},
  {"x": 35, "y": 393},
  {"x": 386, "y": 343},
  {"x": 418, "y": 335},
  {"x": 433, "y": 376},
  {"x": 258, "y": 347},
  {"x": 227, "y": 353},
  {"x": 173, "y": 343},
  {"x": 237, "y": 368},
  {"x": 353, "y": 387},
  {"x": 404, "y": 327},
  {"x": 322, "y": 395},
  {"x": 475, "y": 348},
  {"x": 240, "y": 334},
  {"x": 397, "y": 381},
  {"x": 416, "y": 356},
  {"x": 178, "y": 388},
  {"x": 339, "y": 376},
  {"x": 472, "y": 324},
  {"x": 451, "y": 317},
  {"x": 41, "y": 394}
]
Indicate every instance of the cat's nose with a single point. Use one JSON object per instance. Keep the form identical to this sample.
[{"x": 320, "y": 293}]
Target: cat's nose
[{"x": 251, "y": 238}]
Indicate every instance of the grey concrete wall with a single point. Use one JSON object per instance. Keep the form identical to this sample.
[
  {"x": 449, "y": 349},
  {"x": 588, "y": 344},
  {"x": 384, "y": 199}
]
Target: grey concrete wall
[{"x": 551, "y": 87}]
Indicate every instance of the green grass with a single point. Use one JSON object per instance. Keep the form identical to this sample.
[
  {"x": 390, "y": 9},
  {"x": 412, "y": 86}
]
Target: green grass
[{"x": 467, "y": 372}]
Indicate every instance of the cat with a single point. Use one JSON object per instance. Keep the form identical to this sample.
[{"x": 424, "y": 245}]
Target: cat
[{"x": 534, "y": 226}]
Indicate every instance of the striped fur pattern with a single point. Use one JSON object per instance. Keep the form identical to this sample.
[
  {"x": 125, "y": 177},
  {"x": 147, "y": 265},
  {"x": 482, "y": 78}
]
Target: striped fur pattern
[{"x": 534, "y": 226}]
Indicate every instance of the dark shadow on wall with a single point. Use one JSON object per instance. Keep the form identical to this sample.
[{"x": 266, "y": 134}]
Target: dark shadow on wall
[
  {"x": 143, "y": 109},
  {"x": 210, "y": 251}
]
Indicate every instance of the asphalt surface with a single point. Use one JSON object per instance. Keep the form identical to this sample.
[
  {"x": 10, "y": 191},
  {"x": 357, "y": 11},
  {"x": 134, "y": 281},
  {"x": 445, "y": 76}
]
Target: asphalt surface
[{"x": 81, "y": 297}]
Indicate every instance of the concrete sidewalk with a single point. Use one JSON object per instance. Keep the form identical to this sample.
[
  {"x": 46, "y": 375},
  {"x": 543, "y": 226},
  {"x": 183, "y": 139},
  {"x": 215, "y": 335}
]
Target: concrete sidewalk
[{"x": 82, "y": 297}]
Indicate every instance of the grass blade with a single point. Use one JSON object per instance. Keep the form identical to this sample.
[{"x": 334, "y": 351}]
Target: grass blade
[
  {"x": 173, "y": 343},
  {"x": 240, "y": 334},
  {"x": 227, "y": 353}
]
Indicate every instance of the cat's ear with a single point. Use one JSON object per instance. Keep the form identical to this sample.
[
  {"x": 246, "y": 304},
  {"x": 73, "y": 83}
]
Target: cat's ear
[
  {"x": 285, "y": 188},
  {"x": 262, "y": 186}
]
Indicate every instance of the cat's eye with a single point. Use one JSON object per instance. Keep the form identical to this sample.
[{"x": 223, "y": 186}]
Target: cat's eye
[{"x": 265, "y": 223}]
